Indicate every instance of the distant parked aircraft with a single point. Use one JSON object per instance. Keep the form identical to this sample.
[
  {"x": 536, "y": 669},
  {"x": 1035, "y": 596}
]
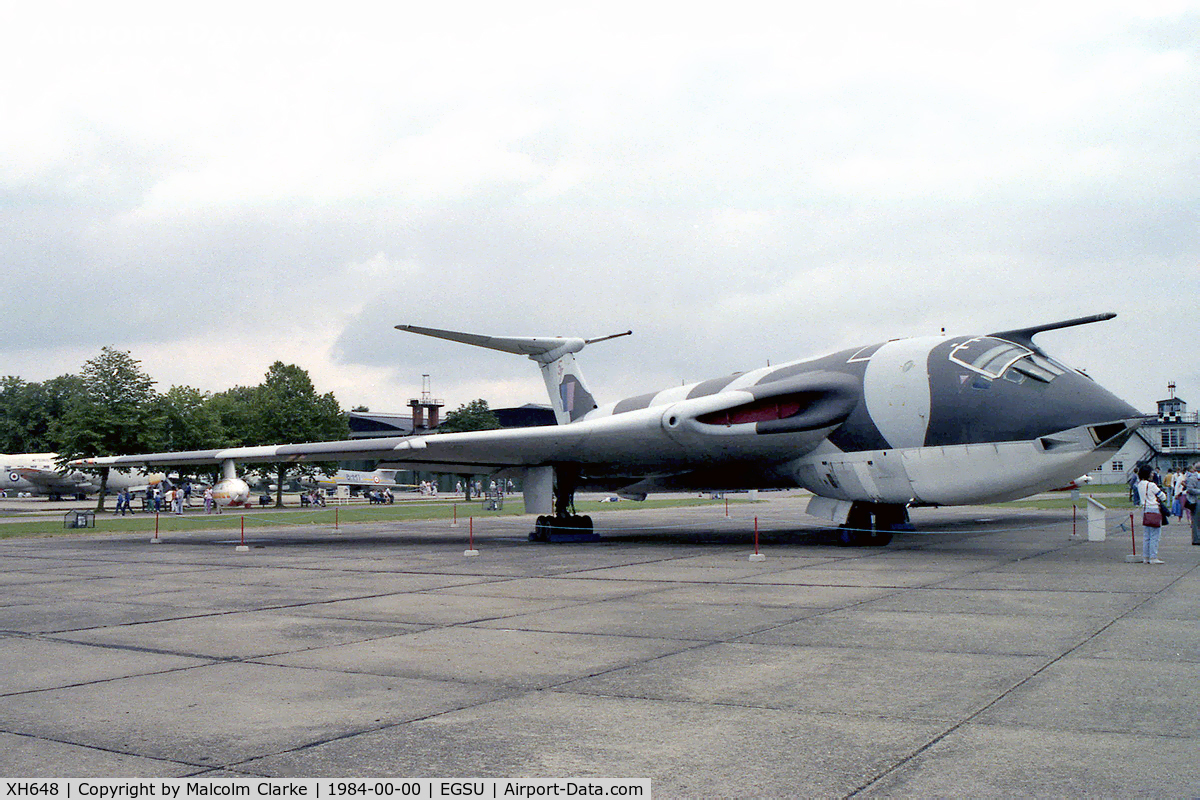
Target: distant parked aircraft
[
  {"x": 349, "y": 477},
  {"x": 39, "y": 474}
]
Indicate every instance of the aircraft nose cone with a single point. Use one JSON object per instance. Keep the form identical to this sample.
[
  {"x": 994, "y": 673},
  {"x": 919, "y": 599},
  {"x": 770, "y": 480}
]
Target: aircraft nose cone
[
  {"x": 973, "y": 408},
  {"x": 1081, "y": 401}
]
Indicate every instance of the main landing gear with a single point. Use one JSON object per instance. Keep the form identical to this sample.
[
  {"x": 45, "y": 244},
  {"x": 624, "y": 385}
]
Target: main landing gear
[
  {"x": 567, "y": 528},
  {"x": 564, "y": 525},
  {"x": 872, "y": 524}
]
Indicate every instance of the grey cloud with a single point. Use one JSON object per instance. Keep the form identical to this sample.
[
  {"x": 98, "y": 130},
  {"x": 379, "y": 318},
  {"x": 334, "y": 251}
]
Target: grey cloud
[{"x": 730, "y": 205}]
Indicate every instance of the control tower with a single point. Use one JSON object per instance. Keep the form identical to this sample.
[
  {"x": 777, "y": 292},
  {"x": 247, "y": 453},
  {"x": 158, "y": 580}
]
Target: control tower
[{"x": 425, "y": 410}]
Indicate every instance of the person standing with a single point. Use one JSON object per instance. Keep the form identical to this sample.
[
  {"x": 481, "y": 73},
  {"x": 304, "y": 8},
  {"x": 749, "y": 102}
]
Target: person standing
[
  {"x": 1191, "y": 489},
  {"x": 1179, "y": 491},
  {"x": 1152, "y": 518}
]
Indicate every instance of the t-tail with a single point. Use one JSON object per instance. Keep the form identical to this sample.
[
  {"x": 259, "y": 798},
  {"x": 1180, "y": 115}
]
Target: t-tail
[{"x": 569, "y": 394}]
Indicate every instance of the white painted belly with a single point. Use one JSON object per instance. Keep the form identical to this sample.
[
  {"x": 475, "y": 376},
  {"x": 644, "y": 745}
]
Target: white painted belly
[{"x": 896, "y": 389}]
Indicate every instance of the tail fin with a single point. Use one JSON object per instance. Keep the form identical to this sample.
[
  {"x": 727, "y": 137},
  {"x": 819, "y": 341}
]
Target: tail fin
[{"x": 568, "y": 394}]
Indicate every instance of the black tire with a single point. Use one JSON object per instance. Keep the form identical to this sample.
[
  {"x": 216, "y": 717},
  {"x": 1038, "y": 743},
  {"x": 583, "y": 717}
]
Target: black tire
[{"x": 850, "y": 537}]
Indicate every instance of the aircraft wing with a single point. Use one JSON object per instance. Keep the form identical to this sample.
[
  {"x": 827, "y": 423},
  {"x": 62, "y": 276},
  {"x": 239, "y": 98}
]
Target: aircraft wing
[
  {"x": 139, "y": 488},
  {"x": 476, "y": 450},
  {"x": 46, "y": 480},
  {"x": 770, "y": 423}
]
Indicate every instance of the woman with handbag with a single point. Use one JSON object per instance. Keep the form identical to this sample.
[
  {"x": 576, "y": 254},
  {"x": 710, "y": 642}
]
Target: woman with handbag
[{"x": 1152, "y": 516}]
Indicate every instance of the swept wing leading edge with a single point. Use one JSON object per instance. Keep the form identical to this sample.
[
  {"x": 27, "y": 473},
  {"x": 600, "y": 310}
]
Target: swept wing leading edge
[{"x": 685, "y": 434}]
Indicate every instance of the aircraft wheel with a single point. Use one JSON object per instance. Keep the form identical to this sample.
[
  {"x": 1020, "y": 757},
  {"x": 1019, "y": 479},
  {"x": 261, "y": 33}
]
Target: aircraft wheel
[
  {"x": 585, "y": 522},
  {"x": 848, "y": 537}
]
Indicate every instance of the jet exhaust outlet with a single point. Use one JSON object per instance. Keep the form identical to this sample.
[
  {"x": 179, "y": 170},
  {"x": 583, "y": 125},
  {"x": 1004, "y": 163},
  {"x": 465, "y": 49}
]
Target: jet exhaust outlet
[
  {"x": 813, "y": 407},
  {"x": 1102, "y": 433},
  {"x": 770, "y": 409}
]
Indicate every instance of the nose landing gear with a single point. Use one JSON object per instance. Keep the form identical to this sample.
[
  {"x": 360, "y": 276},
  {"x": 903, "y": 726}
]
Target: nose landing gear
[{"x": 872, "y": 524}]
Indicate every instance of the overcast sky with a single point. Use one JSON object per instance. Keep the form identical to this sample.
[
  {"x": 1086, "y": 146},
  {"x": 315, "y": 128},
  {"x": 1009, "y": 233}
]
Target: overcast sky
[{"x": 218, "y": 186}]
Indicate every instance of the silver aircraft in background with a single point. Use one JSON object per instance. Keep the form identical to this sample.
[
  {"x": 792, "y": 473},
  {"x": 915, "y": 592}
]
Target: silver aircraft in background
[
  {"x": 358, "y": 479},
  {"x": 39, "y": 475},
  {"x": 870, "y": 431}
]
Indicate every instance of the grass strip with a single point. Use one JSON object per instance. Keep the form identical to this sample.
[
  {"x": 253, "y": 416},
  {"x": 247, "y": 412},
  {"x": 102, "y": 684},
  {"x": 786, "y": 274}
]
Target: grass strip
[{"x": 106, "y": 523}]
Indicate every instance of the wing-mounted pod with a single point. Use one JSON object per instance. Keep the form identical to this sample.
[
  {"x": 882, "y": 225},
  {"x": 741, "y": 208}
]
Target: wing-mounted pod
[
  {"x": 230, "y": 490},
  {"x": 556, "y": 356},
  {"x": 808, "y": 402},
  {"x": 792, "y": 415}
]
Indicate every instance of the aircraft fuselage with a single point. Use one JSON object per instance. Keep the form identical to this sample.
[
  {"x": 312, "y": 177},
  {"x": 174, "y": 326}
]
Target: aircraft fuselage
[{"x": 932, "y": 420}]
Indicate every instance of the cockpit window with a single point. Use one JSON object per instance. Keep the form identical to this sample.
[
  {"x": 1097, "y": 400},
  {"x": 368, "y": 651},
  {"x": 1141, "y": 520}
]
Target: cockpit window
[
  {"x": 993, "y": 358},
  {"x": 864, "y": 353},
  {"x": 990, "y": 357},
  {"x": 1038, "y": 368}
]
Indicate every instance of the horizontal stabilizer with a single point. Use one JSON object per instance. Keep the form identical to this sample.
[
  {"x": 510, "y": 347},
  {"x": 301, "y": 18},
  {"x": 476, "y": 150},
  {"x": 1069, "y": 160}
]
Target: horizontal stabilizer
[
  {"x": 536, "y": 347},
  {"x": 564, "y": 383}
]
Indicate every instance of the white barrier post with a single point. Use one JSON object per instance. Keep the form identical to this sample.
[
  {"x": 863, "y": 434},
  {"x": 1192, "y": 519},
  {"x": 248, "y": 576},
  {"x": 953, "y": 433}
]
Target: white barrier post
[
  {"x": 757, "y": 556},
  {"x": 242, "y": 548},
  {"x": 471, "y": 551},
  {"x": 1097, "y": 520}
]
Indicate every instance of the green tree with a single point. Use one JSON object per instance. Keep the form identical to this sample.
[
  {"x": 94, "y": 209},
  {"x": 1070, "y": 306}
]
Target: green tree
[
  {"x": 190, "y": 420},
  {"x": 288, "y": 410},
  {"x": 117, "y": 413},
  {"x": 29, "y": 411},
  {"x": 60, "y": 393},
  {"x": 472, "y": 416},
  {"x": 22, "y": 408},
  {"x": 237, "y": 415}
]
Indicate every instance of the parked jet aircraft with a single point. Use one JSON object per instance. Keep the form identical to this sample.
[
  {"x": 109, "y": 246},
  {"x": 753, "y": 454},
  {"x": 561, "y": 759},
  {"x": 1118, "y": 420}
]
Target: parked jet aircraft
[
  {"x": 870, "y": 431},
  {"x": 39, "y": 474},
  {"x": 351, "y": 477}
]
